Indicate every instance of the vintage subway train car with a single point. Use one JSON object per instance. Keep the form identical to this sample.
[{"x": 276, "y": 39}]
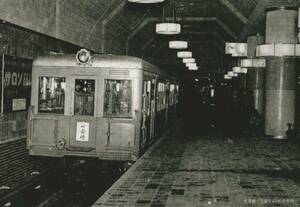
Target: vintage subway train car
[{"x": 105, "y": 106}]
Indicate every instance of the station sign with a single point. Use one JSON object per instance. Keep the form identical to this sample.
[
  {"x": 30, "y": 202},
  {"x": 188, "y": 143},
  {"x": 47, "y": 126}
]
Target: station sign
[{"x": 15, "y": 83}]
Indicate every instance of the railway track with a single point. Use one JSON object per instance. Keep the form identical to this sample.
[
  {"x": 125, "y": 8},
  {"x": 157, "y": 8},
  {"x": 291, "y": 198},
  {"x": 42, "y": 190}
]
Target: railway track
[{"x": 80, "y": 184}]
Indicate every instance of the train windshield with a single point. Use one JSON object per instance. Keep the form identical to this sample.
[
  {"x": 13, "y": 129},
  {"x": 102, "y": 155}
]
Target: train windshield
[
  {"x": 84, "y": 97},
  {"x": 117, "y": 100},
  {"x": 51, "y": 95}
]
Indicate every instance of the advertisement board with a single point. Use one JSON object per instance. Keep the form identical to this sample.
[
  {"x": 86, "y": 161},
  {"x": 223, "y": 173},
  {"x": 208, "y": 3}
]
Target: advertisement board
[{"x": 15, "y": 83}]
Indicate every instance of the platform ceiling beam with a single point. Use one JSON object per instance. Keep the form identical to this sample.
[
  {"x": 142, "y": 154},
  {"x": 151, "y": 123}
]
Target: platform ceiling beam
[
  {"x": 234, "y": 11},
  {"x": 146, "y": 21},
  {"x": 255, "y": 16},
  {"x": 112, "y": 14},
  {"x": 101, "y": 21}
]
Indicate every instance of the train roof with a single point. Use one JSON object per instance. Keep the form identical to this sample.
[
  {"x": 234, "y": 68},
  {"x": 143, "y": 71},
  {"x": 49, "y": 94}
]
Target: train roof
[{"x": 98, "y": 60}]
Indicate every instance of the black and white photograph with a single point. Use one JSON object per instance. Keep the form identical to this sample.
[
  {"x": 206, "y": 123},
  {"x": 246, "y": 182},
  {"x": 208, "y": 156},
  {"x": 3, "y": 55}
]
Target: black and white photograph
[{"x": 149, "y": 103}]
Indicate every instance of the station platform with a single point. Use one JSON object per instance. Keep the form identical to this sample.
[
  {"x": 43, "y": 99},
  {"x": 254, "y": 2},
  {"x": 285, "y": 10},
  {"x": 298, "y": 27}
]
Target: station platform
[{"x": 211, "y": 171}]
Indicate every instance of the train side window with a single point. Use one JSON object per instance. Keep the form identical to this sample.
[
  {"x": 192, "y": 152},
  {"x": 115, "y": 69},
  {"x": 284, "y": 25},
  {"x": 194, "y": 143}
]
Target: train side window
[
  {"x": 161, "y": 96},
  {"x": 51, "y": 95},
  {"x": 117, "y": 100},
  {"x": 84, "y": 98},
  {"x": 172, "y": 95},
  {"x": 177, "y": 93}
]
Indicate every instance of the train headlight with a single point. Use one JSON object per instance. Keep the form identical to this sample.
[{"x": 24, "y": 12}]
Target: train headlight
[
  {"x": 60, "y": 143},
  {"x": 83, "y": 57}
]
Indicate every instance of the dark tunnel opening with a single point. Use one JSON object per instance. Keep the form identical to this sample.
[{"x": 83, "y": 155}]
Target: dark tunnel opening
[{"x": 211, "y": 105}]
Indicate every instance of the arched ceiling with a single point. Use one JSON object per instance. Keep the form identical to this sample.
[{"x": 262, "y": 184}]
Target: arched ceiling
[
  {"x": 206, "y": 24},
  {"x": 120, "y": 27}
]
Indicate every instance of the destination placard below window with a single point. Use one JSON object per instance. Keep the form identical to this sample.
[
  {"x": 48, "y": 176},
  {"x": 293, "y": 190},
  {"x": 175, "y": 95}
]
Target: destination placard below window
[{"x": 82, "y": 131}]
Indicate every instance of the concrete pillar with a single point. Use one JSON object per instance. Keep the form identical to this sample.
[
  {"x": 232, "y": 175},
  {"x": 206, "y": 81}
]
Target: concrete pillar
[
  {"x": 280, "y": 74},
  {"x": 281, "y": 25},
  {"x": 255, "y": 84},
  {"x": 242, "y": 82},
  {"x": 252, "y": 42},
  {"x": 255, "y": 75}
]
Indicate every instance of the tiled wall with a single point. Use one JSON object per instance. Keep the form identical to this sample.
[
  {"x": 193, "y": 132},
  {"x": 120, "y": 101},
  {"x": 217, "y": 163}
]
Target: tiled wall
[
  {"x": 15, "y": 163},
  {"x": 13, "y": 126},
  {"x": 20, "y": 42}
]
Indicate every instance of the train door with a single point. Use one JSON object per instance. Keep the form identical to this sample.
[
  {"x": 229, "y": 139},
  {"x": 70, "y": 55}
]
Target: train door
[
  {"x": 176, "y": 99},
  {"x": 83, "y": 127},
  {"x": 148, "y": 110},
  {"x": 153, "y": 93},
  {"x": 146, "y": 113},
  {"x": 171, "y": 101},
  {"x": 159, "y": 118},
  {"x": 118, "y": 113},
  {"x": 167, "y": 107}
]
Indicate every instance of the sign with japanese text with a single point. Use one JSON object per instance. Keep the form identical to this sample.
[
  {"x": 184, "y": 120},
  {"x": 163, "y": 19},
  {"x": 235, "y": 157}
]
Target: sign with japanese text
[
  {"x": 16, "y": 82},
  {"x": 82, "y": 131}
]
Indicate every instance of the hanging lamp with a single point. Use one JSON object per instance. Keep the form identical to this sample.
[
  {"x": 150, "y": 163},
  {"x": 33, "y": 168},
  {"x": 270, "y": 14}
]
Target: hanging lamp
[
  {"x": 232, "y": 74},
  {"x": 236, "y": 69},
  {"x": 168, "y": 28},
  {"x": 178, "y": 44},
  {"x": 244, "y": 70},
  {"x": 190, "y": 64},
  {"x": 188, "y": 60},
  {"x": 184, "y": 54},
  {"x": 146, "y": 1},
  {"x": 227, "y": 77},
  {"x": 193, "y": 68}
]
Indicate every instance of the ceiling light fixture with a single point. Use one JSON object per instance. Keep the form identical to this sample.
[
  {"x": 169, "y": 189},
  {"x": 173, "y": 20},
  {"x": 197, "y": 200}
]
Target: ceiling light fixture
[
  {"x": 184, "y": 54},
  {"x": 227, "y": 77},
  {"x": 244, "y": 70},
  {"x": 190, "y": 64},
  {"x": 193, "y": 68},
  {"x": 188, "y": 60},
  {"x": 146, "y": 1},
  {"x": 232, "y": 74},
  {"x": 168, "y": 28},
  {"x": 178, "y": 44},
  {"x": 236, "y": 69}
]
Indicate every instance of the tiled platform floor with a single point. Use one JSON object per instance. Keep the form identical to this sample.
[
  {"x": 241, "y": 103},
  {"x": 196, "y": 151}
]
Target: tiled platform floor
[{"x": 211, "y": 171}]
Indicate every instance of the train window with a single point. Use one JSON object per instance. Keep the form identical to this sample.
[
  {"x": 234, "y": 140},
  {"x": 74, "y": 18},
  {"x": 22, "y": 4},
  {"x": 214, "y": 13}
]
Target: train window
[
  {"x": 177, "y": 93},
  {"x": 117, "y": 100},
  {"x": 172, "y": 94},
  {"x": 161, "y": 96},
  {"x": 147, "y": 96},
  {"x": 84, "y": 97},
  {"x": 51, "y": 95}
]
